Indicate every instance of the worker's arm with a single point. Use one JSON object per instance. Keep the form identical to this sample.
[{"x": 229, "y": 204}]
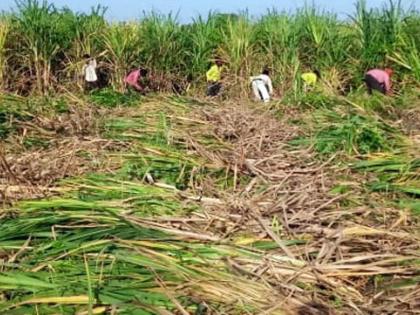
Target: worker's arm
[
  {"x": 270, "y": 85},
  {"x": 133, "y": 80},
  {"x": 138, "y": 87},
  {"x": 388, "y": 86}
]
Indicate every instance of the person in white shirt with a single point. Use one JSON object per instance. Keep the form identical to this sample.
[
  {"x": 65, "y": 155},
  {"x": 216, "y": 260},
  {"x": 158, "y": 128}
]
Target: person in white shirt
[
  {"x": 89, "y": 71},
  {"x": 262, "y": 86}
]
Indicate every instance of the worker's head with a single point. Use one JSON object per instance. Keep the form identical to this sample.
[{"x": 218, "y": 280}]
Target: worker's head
[
  {"x": 389, "y": 71},
  {"x": 317, "y": 73},
  {"x": 219, "y": 62},
  {"x": 266, "y": 71},
  {"x": 86, "y": 56},
  {"x": 144, "y": 72}
]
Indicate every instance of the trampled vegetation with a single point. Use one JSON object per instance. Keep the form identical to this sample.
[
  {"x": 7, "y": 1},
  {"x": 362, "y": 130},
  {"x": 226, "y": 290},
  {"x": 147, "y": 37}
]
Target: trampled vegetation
[{"x": 114, "y": 203}]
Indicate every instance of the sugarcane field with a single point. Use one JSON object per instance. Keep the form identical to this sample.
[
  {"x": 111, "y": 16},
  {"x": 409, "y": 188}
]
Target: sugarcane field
[{"x": 229, "y": 165}]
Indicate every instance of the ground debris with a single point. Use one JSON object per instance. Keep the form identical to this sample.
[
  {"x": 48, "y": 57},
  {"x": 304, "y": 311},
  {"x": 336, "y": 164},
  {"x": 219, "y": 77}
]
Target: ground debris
[
  {"x": 70, "y": 145},
  {"x": 343, "y": 248},
  {"x": 328, "y": 251}
]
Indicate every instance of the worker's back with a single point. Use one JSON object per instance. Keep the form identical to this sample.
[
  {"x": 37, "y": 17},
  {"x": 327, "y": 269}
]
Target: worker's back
[
  {"x": 214, "y": 74},
  {"x": 310, "y": 78}
]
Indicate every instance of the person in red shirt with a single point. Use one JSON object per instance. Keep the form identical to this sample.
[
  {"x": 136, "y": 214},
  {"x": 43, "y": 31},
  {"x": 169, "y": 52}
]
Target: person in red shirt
[
  {"x": 379, "y": 80},
  {"x": 137, "y": 79}
]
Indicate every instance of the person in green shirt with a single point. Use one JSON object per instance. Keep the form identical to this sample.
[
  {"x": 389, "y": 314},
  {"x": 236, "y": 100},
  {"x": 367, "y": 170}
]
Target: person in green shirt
[
  {"x": 214, "y": 77},
  {"x": 310, "y": 79}
]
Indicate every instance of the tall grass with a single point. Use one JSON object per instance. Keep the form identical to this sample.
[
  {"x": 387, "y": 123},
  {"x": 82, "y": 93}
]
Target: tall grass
[
  {"x": 162, "y": 42},
  {"x": 238, "y": 45},
  {"x": 203, "y": 38},
  {"x": 122, "y": 44},
  {"x": 46, "y": 43},
  {"x": 4, "y": 31},
  {"x": 40, "y": 37},
  {"x": 88, "y": 31}
]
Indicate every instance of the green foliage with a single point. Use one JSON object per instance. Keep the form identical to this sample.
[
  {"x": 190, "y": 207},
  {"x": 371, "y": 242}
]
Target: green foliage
[
  {"x": 45, "y": 44},
  {"x": 356, "y": 135},
  {"x": 172, "y": 170},
  {"x": 313, "y": 100},
  {"x": 379, "y": 31},
  {"x": 414, "y": 206},
  {"x": 110, "y": 98},
  {"x": 87, "y": 30},
  {"x": 238, "y": 45},
  {"x": 162, "y": 42},
  {"x": 4, "y": 33},
  {"x": 396, "y": 167},
  {"x": 61, "y": 106},
  {"x": 95, "y": 241},
  {"x": 100, "y": 191},
  {"x": 34, "y": 142},
  {"x": 10, "y": 113},
  {"x": 42, "y": 35},
  {"x": 202, "y": 37},
  {"x": 4, "y": 128},
  {"x": 350, "y": 133},
  {"x": 398, "y": 173},
  {"x": 122, "y": 44},
  {"x": 413, "y": 190}
]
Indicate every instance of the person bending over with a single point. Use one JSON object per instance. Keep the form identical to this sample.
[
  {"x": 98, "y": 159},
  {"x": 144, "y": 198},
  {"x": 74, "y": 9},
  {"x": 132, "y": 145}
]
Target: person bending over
[
  {"x": 379, "y": 80},
  {"x": 262, "y": 86},
  {"x": 310, "y": 79},
  {"x": 214, "y": 77},
  {"x": 137, "y": 80}
]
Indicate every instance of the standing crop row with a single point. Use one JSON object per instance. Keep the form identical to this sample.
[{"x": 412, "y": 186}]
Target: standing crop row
[{"x": 41, "y": 46}]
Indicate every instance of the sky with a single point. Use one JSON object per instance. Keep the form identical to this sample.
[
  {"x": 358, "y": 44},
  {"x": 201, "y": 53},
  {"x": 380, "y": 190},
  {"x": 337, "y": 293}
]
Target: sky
[{"x": 132, "y": 9}]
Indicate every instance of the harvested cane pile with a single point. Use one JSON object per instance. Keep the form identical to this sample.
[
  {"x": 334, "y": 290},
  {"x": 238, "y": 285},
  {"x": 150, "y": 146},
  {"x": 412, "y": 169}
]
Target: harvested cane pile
[
  {"x": 212, "y": 213},
  {"x": 47, "y": 149},
  {"x": 360, "y": 255}
]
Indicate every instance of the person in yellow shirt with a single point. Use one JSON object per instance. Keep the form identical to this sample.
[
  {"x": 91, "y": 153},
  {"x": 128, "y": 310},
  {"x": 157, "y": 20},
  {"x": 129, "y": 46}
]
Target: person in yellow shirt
[
  {"x": 310, "y": 79},
  {"x": 214, "y": 77}
]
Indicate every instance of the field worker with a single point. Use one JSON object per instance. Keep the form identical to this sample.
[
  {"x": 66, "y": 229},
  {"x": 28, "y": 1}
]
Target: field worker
[
  {"x": 262, "y": 86},
  {"x": 379, "y": 80},
  {"x": 89, "y": 71},
  {"x": 104, "y": 76},
  {"x": 137, "y": 79},
  {"x": 182, "y": 86},
  {"x": 214, "y": 76},
  {"x": 310, "y": 79}
]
